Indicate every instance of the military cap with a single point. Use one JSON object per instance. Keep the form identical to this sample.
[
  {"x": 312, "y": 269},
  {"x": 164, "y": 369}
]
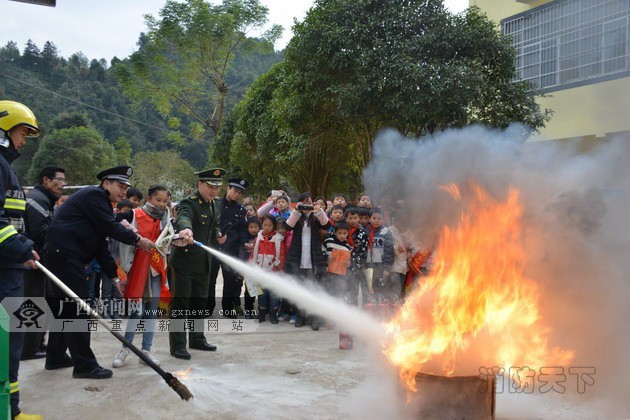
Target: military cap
[
  {"x": 211, "y": 176},
  {"x": 239, "y": 183},
  {"x": 118, "y": 173}
]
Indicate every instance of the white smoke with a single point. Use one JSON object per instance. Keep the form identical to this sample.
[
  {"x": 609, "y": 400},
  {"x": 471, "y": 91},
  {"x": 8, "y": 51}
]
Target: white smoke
[{"x": 578, "y": 205}]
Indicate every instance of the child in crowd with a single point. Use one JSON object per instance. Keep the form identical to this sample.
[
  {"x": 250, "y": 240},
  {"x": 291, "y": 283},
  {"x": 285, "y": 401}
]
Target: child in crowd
[
  {"x": 340, "y": 200},
  {"x": 358, "y": 239},
  {"x": 134, "y": 195},
  {"x": 278, "y": 206},
  {"x": 251, "y": 211},
  {"x": 336, "y": 216},
  {"x": 286, "y": 312},
  {"x": 146, "y": 270},
  {"x": 365, "y": 201},
  {"x": 245, "y": 253},
  {"x": 399, "y": 267},
  {"x": 380, "y": 256},
  {"x": 339, "y": 253},
  {"x": 123, "y": 206},
  {"x": 269, "y": 254},
  {"x": 364, "y": 218}
]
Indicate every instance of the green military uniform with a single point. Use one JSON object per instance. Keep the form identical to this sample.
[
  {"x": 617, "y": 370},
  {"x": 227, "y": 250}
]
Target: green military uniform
[{"x": 190, "y": 265}]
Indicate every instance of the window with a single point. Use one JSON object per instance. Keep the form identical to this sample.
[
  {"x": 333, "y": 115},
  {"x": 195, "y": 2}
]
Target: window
[{"x": 569, "y": 41}]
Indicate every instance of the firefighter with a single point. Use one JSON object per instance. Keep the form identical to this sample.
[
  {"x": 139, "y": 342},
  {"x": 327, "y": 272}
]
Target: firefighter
[{"x": 16, "y": 251}]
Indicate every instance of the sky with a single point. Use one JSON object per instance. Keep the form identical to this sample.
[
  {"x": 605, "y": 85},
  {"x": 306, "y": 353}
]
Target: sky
[{"x": 108, "y": 28}]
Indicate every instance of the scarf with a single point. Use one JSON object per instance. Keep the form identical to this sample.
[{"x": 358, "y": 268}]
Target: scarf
[{"x": 154, "y": 212}]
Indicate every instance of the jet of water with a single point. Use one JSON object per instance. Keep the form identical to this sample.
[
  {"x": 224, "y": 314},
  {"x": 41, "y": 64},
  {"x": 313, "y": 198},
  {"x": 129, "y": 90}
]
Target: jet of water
[{"x": 316, "y": 302}]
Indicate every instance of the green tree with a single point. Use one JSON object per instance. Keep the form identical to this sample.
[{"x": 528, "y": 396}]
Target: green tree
[
  {"x": 81, "y": 151},
  {"x": 31, "y": 56},
  {"x": 182, "y": 63},
  {"x": 165, "y": 168},
  {"x": 268, "y": 146},
  {"x": 123, "y": 151},
  {"x": 10, "y": 53},
  {"x": 364, "y": 65}
]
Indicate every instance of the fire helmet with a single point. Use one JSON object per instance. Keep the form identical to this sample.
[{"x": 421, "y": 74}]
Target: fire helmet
[{"x": 13, "y": 114}]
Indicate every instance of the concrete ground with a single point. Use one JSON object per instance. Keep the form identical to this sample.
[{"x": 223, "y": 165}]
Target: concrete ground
[
  {"x": 262, "y": 372},
  {"x": 277, "y": 371},
  {"x": 272, "y": 371}
]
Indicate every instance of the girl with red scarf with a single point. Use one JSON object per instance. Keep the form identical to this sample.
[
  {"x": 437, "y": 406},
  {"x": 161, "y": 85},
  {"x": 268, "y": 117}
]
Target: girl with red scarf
[{"x": 146, "y": 278}]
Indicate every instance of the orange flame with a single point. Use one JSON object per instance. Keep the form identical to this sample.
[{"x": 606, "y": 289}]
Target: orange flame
[
  {"x": 476, "y": 308},
  {"x": 183, "y": 374}
]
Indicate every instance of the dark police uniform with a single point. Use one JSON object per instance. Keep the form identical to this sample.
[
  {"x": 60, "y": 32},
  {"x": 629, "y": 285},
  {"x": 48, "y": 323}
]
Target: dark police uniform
[
  {"x": 15, "y": 249},
  {"x": 234, "y": 225},
  {"x": 190, "y": 265},
  {"x": 77, "y": 235}
]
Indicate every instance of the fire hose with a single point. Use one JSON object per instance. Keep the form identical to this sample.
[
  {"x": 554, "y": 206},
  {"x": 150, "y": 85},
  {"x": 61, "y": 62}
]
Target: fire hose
[{"x": 171, "y": 380}]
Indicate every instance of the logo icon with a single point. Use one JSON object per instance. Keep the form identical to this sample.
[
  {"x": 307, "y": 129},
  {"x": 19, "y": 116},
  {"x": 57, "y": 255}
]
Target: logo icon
[{"x": 27, "y": 313}]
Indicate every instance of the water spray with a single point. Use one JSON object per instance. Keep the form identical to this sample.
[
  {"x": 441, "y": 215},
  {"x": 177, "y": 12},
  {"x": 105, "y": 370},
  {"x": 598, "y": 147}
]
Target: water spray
[{"x": 317, "y": 302}]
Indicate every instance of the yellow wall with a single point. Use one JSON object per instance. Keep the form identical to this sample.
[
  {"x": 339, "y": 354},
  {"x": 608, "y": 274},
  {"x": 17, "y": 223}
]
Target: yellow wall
[
  {"x": 592, "y": 110},
  {"x": 499, "y": 9},
  {"x": 587, "y": 112}
]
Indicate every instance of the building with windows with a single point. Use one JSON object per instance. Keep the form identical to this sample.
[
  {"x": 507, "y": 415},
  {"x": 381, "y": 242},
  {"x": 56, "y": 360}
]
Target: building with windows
[{"x": 576, "y": 53}]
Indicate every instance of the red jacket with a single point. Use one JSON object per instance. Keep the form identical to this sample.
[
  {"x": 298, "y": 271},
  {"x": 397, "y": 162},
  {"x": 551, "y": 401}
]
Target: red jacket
[{"x": 269, "y": 252}]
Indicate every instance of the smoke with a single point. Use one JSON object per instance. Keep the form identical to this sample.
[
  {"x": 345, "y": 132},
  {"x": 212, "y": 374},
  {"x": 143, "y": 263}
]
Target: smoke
[{"x": 575, "y": 208}]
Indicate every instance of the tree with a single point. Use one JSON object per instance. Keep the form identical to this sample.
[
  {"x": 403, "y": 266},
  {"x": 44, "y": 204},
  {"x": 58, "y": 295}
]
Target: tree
[
  {"x": 81, "y": 151},
  {"x": 10, "y": 53},
  {"x": 183, "y": 60},
  {"x": 165, "y": 168},
  {"x": 50, "y": 58},
  {"x": 267, "y": 148},
  {"x": 368, "y": 64},
  {"x": 31, "y": 56}
]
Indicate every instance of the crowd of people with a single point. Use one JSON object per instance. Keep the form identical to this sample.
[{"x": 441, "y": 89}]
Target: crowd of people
[{"x": 112, "y": 243}]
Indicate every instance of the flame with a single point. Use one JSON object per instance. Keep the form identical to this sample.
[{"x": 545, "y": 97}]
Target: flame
[
  {"x": 183, "y": 374},
  {"x": 476, "y": 308}
]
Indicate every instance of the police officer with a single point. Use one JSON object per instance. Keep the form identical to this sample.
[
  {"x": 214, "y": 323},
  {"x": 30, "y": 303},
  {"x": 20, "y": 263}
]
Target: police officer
[
  {"x": 77, "y": 235},
  {"x": 198, "y": 217},
  {"x": 16, "y": 251},
  {"x": 234, "y": 226},
  {"x": 40, "y": 204}
]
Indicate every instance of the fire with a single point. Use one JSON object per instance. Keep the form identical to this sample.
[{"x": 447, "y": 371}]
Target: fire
[
  {"x": 477, "y": 308},
  {"x": 183, "y": 374}
]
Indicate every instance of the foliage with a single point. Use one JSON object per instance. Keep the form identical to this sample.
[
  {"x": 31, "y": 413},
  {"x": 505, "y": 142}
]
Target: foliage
[
  {"x": 182, "y": 66},
  {"x": 77, "y": 91},
  {"x": 356, "y": 67},
  {"x": 165, "y": 168},
  {"x": 81, "y": 151}
]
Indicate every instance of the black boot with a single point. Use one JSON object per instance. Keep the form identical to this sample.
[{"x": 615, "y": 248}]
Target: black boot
[
  {"x": 315, "y": 323},
  {"x": 299, "y": 321},
  {"x": 261, "y": 315},
  {"x": 273, "y": 316}
]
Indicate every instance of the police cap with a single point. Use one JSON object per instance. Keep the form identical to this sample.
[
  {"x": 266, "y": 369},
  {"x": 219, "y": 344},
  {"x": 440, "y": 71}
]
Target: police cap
[
  {"x": 118, "y": 173},
  {"x": 239, "y": 183}
]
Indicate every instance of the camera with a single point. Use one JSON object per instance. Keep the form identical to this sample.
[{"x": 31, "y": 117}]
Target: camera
[{"x": 305, "y": 207}]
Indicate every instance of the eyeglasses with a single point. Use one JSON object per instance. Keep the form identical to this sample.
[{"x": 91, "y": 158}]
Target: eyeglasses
[{"x": 60, "y": 179}]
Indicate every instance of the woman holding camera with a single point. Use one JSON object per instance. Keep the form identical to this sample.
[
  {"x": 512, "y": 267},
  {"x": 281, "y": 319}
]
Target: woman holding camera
[{"x": 306, "y": 258}]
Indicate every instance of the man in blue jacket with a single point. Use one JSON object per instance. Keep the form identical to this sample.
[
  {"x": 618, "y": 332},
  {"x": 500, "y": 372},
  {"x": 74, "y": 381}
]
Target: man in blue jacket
[{"x": 77, "y": 235}]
